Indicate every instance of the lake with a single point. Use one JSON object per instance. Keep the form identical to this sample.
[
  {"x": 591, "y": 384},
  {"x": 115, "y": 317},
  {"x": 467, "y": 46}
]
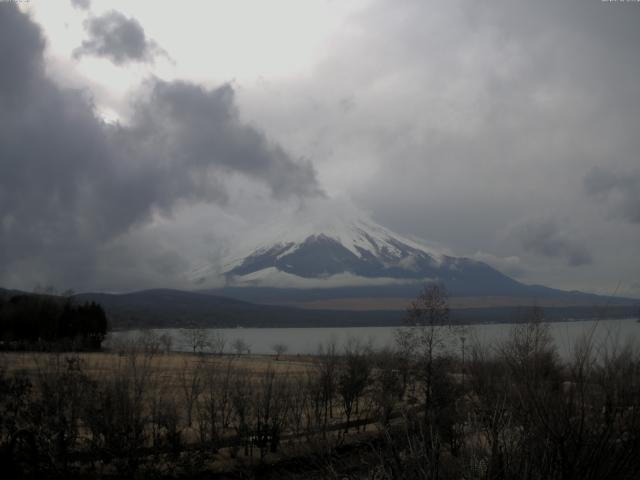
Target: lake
[{"x": 605, "y": 333}]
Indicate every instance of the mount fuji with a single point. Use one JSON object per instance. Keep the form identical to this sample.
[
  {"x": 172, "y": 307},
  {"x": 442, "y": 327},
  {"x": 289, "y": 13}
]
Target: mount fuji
[
  {"x": 340, "y": 269},
  {"x": 323, "y": 259},
  {"x": 348, "y": 252}
]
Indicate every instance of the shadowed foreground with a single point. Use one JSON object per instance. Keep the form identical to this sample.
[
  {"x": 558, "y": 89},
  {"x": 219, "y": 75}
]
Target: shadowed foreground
[{"x": 514, "y": 411}]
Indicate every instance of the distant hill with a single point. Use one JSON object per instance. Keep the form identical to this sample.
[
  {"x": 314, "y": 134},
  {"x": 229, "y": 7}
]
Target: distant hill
[
  {"x": 398, "y": 296},
  {"x": 166, "y": 308},
  {"x": 175, "y": 308},
  {"x": 345, "y": 261}
]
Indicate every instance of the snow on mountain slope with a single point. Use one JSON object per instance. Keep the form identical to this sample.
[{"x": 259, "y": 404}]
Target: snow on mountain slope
[
  {"x": 336, "y": 247},
  {"x": 344, "y": 250},
  {"x": 359, "y": 236}
]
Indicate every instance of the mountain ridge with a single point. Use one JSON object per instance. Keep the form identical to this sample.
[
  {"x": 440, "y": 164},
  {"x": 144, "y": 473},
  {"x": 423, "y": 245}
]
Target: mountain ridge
[
  {"x": 168, "y": 308},
  {"x": 346, "y": 252}
]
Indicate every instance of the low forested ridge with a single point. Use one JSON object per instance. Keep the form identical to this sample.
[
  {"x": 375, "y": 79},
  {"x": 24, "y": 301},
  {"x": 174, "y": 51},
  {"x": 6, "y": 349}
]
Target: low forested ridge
[
  {"x": 33, "y": 321},
  {"x": 166, "y": 308}
]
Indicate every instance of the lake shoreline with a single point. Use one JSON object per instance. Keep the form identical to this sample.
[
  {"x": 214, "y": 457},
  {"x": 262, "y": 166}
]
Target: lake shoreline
[{"x": 306, "y": 340}]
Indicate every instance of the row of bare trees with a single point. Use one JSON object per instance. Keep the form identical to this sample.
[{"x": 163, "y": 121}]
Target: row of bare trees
[
  {"x": 514, "y": 410},
  {"x": 141, "y": 406},
  {"x": 196, "y": 340},
  {"x": 507, "y": 411}
]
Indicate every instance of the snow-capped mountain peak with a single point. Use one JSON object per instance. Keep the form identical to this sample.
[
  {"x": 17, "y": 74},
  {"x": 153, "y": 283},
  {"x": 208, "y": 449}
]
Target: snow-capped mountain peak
[
  {"x": 332, "y": 247},
  {"x": 319, "y": 248},
  {"x": 359, "y": 236}
]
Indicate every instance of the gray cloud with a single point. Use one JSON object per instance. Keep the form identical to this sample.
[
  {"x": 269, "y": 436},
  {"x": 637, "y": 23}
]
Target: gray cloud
[
  {"x": 81, "y": 4},
  {"x": 191, "y": 126},
  {"x": 22, "y": 65},
  {"x": 467, "y": 117},
  {"x": 473, "y": 115},
  {"x": 546, "y": 238},
  {"x": 511, "y": 266},
  {"x": 118, "y": 38},
  {"x": 619, "y": 190},
  {"x": 71, "y": 184}
]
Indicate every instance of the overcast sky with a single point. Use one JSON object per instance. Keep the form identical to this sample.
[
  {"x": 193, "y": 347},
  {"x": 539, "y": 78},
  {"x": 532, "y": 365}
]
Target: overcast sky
[{"x": 140, "y": 140}]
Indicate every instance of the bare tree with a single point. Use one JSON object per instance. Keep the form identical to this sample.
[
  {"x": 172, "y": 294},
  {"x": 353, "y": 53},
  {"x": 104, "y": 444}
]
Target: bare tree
[
  {"x": 529, "y": 350},
  {"x": 116, "y": 413},
  {"x": 353, "y": 379},
  {"x": 406, "y": 345},
  {"x": 216, "y": 408},
  {"x": 279, "y": 349},
  {"x": 388, "y": 384},
  {"x": 196, "y": 338},
  {"x": 428, "y": 335},
  {"x": 299, "y": 401},
  {"x": 327, "y": 377},
  {"x": 271, "y": 403},
  {"x": 241, "y": 393},
  {"x": 218, "y": 342},
  {"x": 56, "y": 409},
  {"x": 428, "y": 315},
  {"x": 191, "y": 383},
  {"x": 240, "y": 346},
  {"x": 149, "y": 343},
  {"x": 314, "y": 407},
  {"x": 166, "y": 341},
  {"x": 165, "y": 426}
]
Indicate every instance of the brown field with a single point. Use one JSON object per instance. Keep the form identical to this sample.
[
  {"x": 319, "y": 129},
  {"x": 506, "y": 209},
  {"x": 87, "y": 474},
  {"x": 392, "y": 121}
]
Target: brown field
[
  {"x": 357, "y": 413},
  {"x": 170, "y": 396},
  {"x": 399, "y": 303},
  {"x": 170, "y": 365}
]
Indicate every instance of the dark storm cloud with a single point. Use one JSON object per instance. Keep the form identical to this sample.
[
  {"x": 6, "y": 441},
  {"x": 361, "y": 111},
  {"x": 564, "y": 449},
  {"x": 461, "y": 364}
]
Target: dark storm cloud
[
  {"x": 191, "y": 126},
  {"x": 81, "y": 4},
  {"x": 20, "y": 55},
  {"x": 546, "y": 238},
  {"x": 70, "y": 183},
  {"x": 620, "y": 190},
  {"x": 118, "y": 38}
]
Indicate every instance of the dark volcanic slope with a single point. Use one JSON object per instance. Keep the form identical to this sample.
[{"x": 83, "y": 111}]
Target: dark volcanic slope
[
  {"x": 273, "y": 295},
  {"x": 175, "y": 308},
  {"x": 320, "y": 255},
  {"x": 361, "y": 250}
]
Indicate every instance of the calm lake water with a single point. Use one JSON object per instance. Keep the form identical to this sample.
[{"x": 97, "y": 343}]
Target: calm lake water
[{"x": 605, "y": 334}]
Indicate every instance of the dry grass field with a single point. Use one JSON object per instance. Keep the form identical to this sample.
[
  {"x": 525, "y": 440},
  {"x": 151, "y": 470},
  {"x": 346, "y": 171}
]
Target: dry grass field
[
  {"x": 513, "y": 412},
  {"x": 169, "y": 365},
  {"x": 223, "y": 412}
]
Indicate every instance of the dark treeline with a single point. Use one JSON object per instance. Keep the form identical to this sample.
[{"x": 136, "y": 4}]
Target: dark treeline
[{"x": 36, "y": 321}]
